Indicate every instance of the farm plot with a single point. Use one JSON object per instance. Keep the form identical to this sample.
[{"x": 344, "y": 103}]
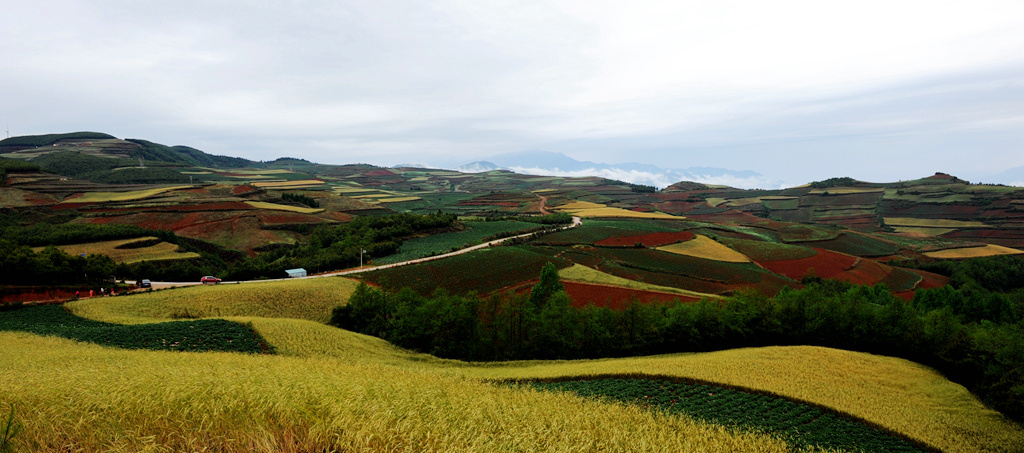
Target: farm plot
[
  {"x": 973, "y": 252},
  {"x": 311, "y": 299},
  {"x": 101, "y": 197},
  {"x": 824, "y": 264},
  {"x": 800, "y": 424},
  {"x": 588, "y": 209},
  {"x": 704, "y": 247},
  {"x": 129, "y": 250},
  {"x": 283, "y": 207},
  {"x": 199, "y": 335},
  {"x": 437, "y": 244},
  {"x": 584, "y": 274},
  {"x": 762, "y": 251},
  {"x": 859, "y": 245},
  {"x": 614, "y": 297},
  {"x": 483, "y": 271},
  {"x": 647, "y": 240}
]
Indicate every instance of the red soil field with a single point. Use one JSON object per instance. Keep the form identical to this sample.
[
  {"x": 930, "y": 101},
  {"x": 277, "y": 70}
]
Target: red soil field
[
  {"x": 648, "y": 240},
  {"x": 379, "y": 173},
  {"x": 826, "y": 264},
  {"x": 243, "y": 189},
  {"x": 614, "y": 297},
  {"x": 866, "y": 272}
]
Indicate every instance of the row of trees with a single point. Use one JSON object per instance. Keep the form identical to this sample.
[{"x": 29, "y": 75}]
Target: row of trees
[
  {"x": 982, "y": 350},
  {"x": 19, "y": 265}
]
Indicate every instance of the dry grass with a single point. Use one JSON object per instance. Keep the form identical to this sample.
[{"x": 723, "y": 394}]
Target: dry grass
[
  {"x": 353, "y": 189},
  {"x": 973, "y": 252},
  {"x": 157, "y": 252},
  {"x": 100, "y": 197},
  {"x": 704, "y": 247},
  {"x": 283, "y": 207},
  {"x": 924, "y": 230}
]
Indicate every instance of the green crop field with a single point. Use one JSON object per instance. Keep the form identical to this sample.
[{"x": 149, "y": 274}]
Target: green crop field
[{"x": 437, "y": 244}]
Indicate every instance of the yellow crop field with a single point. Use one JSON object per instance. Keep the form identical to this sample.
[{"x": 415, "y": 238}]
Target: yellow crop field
[
  {"x": 376, "y": 398},
  {"x": 311, "y": 299},
  {"x": 588, "y": 209},
  {"x": 289, "y": 184},
  {"x": 398, "y": 199},
  {"x": 100, "y": 399},
  {"x": 157, "y": 252},
  {"x": 973, "y": 252},
  {"x": 283, "y": 207},
  {"x": 353, "y": 189},
  {"x": 924, "y": 230},
  {"x": 933, "y": 223},
  {"x": 704, "y": 247},
  {"x": 99, "y": 197},
  {"x": 584, "y": 274}
]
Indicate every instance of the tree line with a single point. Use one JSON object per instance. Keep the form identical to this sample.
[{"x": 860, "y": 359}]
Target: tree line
[{"x": 981, "y": 347}]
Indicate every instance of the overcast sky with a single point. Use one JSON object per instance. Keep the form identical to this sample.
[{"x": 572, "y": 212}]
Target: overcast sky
[{"x": 795, "y": 90}]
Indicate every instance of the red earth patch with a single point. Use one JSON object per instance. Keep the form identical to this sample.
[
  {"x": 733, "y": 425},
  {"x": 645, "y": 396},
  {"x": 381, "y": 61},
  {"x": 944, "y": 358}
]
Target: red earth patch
[
  {"x": 648, "y": 240},
  {"x": 826, "y": 264}
]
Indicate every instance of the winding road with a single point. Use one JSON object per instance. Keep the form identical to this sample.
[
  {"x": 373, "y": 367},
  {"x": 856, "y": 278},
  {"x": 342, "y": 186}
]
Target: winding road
[{"x": 576, "y": 221}]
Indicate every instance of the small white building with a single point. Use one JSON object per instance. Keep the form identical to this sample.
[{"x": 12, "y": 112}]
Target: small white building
[{"x": 295, "y": 273}]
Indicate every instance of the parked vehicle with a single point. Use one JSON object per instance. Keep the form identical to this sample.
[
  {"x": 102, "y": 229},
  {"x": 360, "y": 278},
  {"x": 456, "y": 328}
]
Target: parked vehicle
[
  {"x": 145, "y": 283},
  {"x": 209, "y": 279}
]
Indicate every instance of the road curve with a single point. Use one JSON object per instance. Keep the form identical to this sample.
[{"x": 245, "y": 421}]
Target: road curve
[{"x": 576, "y": 221}]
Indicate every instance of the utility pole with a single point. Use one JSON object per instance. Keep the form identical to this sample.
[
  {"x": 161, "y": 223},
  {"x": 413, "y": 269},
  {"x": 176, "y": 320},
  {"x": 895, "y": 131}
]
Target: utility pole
[{"x": 361, "y": 252}]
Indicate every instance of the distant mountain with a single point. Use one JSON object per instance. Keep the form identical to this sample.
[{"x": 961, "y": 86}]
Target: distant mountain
[
  {"x": 479, "y": 166},
  {"x": 96, "y": 149},
  {"x": 1012, "y": 177},
  {"x": 558, "y": 164}
]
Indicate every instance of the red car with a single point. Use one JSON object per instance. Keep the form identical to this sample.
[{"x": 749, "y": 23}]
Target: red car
[{"x": 209, "y": 279}]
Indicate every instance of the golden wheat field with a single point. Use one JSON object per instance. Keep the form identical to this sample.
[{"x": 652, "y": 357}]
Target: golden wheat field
[
  {"x": 311, "y": 299},
  {"x": 704, "y": 247},
  {"x": 283, "y": 207},
  {"x": 973, "y": 252},
  {"x": 588, "y": 209},
  {"x": 100, "y": 197},
  {"x": 332, "y": 390}
]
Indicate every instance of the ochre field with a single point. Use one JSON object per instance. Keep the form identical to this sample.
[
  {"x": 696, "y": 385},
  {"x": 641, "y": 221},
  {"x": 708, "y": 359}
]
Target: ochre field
[{"x": 329, "y": 389}]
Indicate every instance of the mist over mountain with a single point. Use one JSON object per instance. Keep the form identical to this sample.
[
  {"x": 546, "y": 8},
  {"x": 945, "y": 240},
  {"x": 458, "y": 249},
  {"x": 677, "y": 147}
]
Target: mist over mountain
[
  {"x": 548, "y": 163},
  {"x": 1011, "y": 177}
]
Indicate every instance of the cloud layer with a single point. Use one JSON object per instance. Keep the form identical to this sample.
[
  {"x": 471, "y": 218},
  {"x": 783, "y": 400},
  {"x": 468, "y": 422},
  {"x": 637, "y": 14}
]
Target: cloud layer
[{"x": 798, "y": 90}]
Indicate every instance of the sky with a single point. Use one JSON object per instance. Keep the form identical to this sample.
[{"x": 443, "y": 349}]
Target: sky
[{"x": 795, "y": 90}]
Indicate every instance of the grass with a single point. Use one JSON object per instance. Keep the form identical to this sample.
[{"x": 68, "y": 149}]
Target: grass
[
  {"x": 100, "y": 197},
  {"x": 310, "y": 299},
  {"x": 283, "y": 207},
  {"x": 704, "y": 247},
  {"x": 114, "y": 249}
]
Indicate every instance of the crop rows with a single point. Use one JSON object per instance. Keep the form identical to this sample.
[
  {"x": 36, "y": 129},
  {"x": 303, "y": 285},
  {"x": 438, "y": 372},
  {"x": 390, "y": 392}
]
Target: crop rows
[
  {"x": 797, "y": 423},
  {"x": 437, "y": 244},
  {"x": 197, "y": 335}
]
